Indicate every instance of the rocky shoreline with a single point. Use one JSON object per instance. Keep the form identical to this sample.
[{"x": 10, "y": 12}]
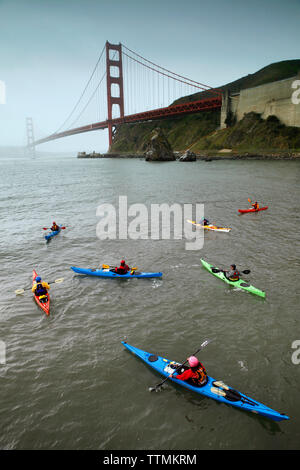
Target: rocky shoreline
[
  {"x": 204, "y": 156},
  {"x": 158, "y": 148}
]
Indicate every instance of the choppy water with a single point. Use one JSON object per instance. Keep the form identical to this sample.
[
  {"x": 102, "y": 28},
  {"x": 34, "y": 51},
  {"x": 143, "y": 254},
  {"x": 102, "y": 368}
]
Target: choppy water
[{"x": 69, "y": 384}]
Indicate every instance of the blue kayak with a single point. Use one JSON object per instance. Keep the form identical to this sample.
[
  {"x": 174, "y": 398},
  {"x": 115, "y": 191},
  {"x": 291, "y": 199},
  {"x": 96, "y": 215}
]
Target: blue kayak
[
  {"x": 107, "y": 273},
  {"x": 212, "y": 389},
  {"x": 52, "y": 234}
]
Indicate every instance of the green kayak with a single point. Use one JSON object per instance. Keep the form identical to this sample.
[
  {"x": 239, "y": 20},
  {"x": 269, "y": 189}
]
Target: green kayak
[{"x": 240, "y": 284}]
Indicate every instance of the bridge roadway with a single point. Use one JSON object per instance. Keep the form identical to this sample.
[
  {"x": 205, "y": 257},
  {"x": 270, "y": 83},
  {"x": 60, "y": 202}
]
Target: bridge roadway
[{"x": 161, "y": 113}]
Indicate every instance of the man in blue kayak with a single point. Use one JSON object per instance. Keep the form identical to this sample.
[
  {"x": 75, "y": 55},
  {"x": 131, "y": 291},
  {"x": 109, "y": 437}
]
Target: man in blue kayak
[
  {"x": 54, "y": 227},
  {"x": 123, "y": 268},
  {"x": 233, "y": 274}
]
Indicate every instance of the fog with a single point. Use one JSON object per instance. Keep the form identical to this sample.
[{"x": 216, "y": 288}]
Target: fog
[{"x": 48, "y": 49}]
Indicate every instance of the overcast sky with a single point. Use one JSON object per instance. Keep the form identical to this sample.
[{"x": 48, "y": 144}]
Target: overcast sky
[{"x": 48, "y": 49}]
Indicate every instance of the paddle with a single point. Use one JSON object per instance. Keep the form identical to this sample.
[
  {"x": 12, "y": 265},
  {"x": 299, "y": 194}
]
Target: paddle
[
  {"x": 249, "y": 200},
  {"x": 216, "y": 270},
  {"x": 45, "y": 228},
  {"x": 21, "y": 291},
  {"x": 205, "y": 343},
  {"x": 106, "y": 266}
]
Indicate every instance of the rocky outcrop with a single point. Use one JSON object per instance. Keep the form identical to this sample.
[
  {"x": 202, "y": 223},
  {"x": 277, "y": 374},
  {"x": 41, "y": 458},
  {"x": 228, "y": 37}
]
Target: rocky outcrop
[
  {"x": 158, "y": 149},
  {"x": 89, "y": 155},
  {"x": 188, "y": 156}
]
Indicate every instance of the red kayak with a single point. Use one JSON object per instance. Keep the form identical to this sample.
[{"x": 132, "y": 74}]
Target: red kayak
[
  {"x": 245, "y": 211},
  {"x": 42, "y": 301}
]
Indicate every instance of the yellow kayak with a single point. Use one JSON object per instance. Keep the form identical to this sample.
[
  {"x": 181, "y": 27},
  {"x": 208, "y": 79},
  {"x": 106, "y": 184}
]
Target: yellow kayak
[{"x": 210, "y": 227}]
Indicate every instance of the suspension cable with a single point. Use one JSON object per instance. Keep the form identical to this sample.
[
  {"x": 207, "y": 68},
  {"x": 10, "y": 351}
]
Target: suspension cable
[
  {"x": 81, "y": 96},
  {"x": 207, "y": 87}
]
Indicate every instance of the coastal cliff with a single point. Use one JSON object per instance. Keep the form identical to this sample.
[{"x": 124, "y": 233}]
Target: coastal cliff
[{"x": 201, "y": 132}]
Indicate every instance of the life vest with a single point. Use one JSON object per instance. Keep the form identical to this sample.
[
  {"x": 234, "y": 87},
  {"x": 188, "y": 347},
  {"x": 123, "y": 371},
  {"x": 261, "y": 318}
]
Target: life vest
[
  {"x": 40, "y": 290},
  {"x": 235, "y": 276},
  {"x": 199, "y": 377},
  {"x": 55, "y": 229},
  {"x": 122, "y": 269}
]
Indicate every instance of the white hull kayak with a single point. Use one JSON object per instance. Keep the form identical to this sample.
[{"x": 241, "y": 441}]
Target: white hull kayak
[{"x": 210, "y": 227}]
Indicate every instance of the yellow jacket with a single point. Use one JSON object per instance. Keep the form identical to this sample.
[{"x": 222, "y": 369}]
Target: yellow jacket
[{"x": 44, "y": 284}]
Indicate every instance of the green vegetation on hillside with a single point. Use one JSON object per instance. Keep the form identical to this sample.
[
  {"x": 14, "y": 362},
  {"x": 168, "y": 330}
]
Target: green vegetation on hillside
[
  {"x": 252, "y": 133},
  {"x": 180, "y": 132}
]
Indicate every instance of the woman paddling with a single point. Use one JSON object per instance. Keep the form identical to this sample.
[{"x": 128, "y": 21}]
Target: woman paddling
[
  {"x": 196, "y": 375},
  {"x": 233, "y": 274}
]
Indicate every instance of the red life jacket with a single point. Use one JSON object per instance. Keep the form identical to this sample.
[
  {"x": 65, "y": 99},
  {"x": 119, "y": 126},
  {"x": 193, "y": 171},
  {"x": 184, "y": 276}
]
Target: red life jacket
[
  {"x": 122, "y": 269},
  {"x": 199, "y": 376},
  {"x": 235, "y": 276}
]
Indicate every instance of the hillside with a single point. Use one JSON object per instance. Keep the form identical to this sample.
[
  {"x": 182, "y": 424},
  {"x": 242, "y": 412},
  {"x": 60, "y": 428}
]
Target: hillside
[
  {"x": 252, "y": 134},
  {"x": 191, "y": 130},
  {"x": 270, "y": 73}
]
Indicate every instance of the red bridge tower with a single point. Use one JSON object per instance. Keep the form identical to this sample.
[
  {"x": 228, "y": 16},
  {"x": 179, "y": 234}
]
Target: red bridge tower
[{"x": 110, "y": 80}]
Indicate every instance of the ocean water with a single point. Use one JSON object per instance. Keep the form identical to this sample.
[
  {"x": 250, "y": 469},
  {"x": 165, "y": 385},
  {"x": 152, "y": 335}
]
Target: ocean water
[{"x": 68, "y": 383}]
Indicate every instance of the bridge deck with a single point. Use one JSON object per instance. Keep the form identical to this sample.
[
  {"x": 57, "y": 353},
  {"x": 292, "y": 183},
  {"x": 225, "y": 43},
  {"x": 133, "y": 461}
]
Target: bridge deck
[{"x": 161, "y": 113}]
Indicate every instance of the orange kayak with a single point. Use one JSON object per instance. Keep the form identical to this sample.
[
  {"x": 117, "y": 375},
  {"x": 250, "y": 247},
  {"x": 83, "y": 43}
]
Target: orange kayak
[
  {"x": 43, "y": 302},
  {"x": 245, "y": 211}
]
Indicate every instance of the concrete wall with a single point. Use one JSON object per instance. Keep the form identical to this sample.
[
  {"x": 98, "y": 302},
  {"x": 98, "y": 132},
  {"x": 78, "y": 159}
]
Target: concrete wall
[{"x": 271, "y": 99}]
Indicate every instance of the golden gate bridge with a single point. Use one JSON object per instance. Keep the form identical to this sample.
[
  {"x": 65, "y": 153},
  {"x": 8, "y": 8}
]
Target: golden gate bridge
[{"x": 122, "y": 81}]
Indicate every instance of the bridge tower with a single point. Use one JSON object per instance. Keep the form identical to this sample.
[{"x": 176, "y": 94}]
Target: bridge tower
[
  {"x": 30, "y": 137},
  {"x": 115, "y": 62}
]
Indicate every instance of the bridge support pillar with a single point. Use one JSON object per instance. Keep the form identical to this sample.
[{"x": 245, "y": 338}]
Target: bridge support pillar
[
  {"x": 111, "y": 79},
  {"x": 30, "y": 137}
]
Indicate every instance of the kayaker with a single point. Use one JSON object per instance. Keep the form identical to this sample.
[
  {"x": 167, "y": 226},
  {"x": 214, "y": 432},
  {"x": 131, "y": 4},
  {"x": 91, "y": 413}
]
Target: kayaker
[
  {"x": 233, "y": 274},
  {"x": 204, "y": 221},
  {"x": 196, "y": 375},
  {"x": 40, "y": 289},
  {"x": 54, "y": 227},
  {"x": 123, "y": 268},
  {"x": 255, "y": 205}
]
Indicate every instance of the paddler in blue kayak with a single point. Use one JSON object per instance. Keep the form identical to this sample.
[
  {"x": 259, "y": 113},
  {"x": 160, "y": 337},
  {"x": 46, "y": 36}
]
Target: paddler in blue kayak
[
  {"x": 54, "y": 227},
  {"x": 40, "y": 289},
  {"x": 233, "y": 274},
  {"x": 123, "y": 268},
  {"x": 196, "y": 375}
]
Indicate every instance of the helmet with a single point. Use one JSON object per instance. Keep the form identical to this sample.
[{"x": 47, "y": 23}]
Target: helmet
[
  {"x": 233, "y": 266},
  {"x": 193, "y": 361},
  {"x": 123, "y": 261},
  {"x": 38, "y": 279},
  {"x": 54, "y": 223}
]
